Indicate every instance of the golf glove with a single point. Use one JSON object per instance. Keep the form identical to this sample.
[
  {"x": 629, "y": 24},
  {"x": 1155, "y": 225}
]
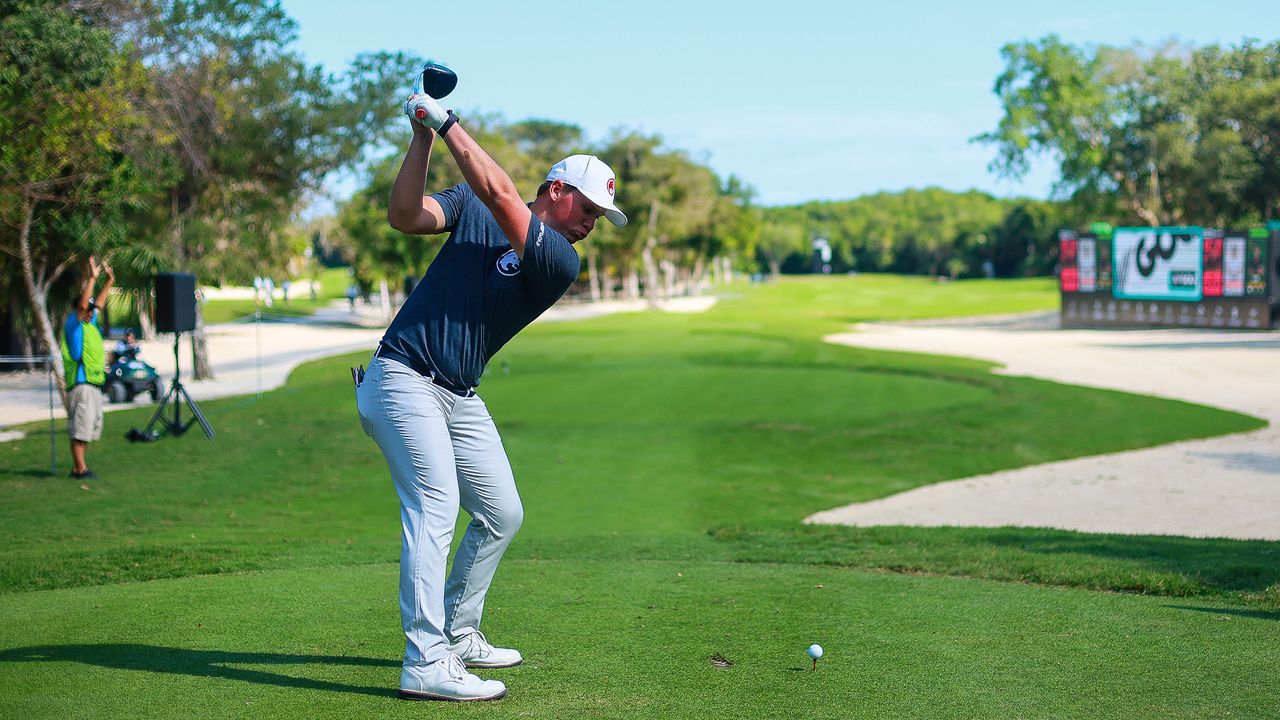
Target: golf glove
[{"x": 425, "y": 109}]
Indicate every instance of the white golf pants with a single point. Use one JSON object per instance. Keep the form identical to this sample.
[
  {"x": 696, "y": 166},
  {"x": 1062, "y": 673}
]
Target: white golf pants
[{"x": 443, "y": 451}]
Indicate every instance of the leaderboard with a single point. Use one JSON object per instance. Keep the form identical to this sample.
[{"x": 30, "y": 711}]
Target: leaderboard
[{"x": 1179, "y": 276}]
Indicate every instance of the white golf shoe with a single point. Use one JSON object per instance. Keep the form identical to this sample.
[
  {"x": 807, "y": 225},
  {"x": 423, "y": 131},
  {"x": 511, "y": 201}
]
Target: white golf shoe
[
  {"x": 476, "y": 652},
  {"x": 447, "y": 679}
]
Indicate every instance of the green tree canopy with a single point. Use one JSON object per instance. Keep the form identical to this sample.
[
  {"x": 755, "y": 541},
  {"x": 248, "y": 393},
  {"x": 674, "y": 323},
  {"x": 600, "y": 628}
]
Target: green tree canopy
[
  {"x": 71, "y": 163},
  {"x": 1164, "y": 135}
]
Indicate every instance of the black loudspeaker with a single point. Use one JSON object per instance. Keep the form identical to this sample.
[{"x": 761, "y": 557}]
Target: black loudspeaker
[
  {"x": 175, "y": 302},
  {"x": 10, "y": 343},
  {"x": 1273, "y": 282},
  {"x": 1273, "y": 288}
]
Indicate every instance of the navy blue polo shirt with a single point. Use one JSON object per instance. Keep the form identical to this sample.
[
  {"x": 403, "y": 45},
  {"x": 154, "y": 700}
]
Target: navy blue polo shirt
[{"x": 477, "y": 294}]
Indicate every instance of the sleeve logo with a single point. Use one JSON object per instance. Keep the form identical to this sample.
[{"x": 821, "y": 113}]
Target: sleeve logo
[{"x": 509, "y": 264}]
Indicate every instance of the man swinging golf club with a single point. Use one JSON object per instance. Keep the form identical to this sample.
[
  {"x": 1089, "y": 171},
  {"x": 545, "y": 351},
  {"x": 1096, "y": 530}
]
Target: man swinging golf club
[{"x": 504, "y": 263}]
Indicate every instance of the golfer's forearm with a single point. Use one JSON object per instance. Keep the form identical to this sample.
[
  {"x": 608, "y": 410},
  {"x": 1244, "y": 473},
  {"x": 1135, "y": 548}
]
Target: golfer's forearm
[{"x": 405, "y": 204}]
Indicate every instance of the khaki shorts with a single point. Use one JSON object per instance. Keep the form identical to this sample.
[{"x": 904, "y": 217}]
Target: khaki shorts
[{"x": 84, "y": 412}]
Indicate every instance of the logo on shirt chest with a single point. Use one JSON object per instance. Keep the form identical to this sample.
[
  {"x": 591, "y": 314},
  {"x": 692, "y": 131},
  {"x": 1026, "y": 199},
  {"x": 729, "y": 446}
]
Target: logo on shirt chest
[{"x": 509, "y": 264}]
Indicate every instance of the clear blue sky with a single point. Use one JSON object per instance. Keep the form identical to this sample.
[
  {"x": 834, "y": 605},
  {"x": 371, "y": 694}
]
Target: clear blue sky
[{"x": 802, "y": 99}]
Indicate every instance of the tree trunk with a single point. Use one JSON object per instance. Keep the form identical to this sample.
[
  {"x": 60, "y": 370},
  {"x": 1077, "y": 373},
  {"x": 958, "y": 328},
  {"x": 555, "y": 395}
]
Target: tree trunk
[
  {"x": 668, "y": 269},
  {"x": 200, "y": 367},
  {"x": 608, "y": 288},
  {"x": 593, "y": 276},
  {"x": 607, "y": 285},
  {"x": 1147, "y": 216},
  {"x": 699, "y": 275},
  {"x": 146, "y": 328},
  {"x": 38, "y": 295},
  {"x": 1136, "y": 205},
  {"x": 632, "y": 285},
  {"x": 651, "y": 289},
  {"x": 646, "y": 255},
  {"x": 384, "y": 298},
  {"x": 28, "y": 341}
]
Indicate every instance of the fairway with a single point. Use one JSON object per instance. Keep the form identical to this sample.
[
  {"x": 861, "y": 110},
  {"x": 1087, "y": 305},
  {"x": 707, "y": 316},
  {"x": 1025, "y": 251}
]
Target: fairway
[{"x": 665, "y": 462}]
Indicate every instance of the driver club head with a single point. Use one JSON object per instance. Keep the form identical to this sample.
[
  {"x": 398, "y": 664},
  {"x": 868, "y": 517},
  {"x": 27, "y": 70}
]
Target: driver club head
[{"x": 435, "y": 80}]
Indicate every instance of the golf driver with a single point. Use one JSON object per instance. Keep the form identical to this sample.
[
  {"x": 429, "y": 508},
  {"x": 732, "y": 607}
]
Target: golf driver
[{"x": 435, "y": 80}]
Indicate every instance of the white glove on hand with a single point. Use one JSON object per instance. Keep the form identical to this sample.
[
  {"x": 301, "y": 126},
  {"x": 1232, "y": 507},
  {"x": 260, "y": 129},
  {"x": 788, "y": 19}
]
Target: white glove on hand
[{"x": 424, "y": 109}]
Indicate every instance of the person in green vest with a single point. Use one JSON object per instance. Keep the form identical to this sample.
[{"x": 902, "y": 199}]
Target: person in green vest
[{"x": 84, "y": 365}]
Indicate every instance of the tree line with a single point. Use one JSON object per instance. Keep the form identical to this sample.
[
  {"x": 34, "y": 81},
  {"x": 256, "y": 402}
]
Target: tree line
[
  {"x": 188, "y": 134},
  {"x": 1166, "y": 135},
  {"x": 684, "y": 221},
  {"x": 165, "y": 135},
  {"x": 1141, "y": 136},
  {"x": 687, "y": 223}
]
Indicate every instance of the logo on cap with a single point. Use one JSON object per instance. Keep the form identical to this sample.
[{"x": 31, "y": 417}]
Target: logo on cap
[{"x": 610, "y": 186}]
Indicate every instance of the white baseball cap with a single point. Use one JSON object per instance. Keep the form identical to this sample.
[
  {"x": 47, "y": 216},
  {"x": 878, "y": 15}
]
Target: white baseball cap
[{"x": 592, "y": 178}]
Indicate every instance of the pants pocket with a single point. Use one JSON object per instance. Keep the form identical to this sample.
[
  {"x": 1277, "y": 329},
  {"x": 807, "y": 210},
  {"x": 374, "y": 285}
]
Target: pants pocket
[{"x": 363, "y": 402}]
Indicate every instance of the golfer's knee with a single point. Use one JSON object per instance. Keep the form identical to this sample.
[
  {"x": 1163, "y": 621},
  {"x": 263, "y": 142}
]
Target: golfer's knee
[{"x": 506, "y": 522}]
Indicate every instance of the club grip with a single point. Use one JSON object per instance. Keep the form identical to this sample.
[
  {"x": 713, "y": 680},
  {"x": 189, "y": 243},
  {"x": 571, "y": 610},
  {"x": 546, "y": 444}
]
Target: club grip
[{"x": 420, "y": 113}]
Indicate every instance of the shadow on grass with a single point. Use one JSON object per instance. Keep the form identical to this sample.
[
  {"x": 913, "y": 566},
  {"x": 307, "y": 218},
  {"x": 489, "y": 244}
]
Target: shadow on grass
[
  {"x": 41, "y": 474},
  {"x": 1231, "y": 565},
  {"x": 1273, "y": 615},
  {"x": 1147, "y": 564},
  {"x": 201, "y": 663}
]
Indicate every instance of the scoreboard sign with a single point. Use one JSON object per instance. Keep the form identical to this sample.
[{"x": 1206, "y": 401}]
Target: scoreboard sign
[
  {"x": 1170, "y": 276},
  {"x": 1158, "y": 263}
]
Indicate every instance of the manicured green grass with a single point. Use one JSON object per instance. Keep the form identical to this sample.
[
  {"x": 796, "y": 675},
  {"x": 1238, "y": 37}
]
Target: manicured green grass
[
  {"x": 633, "y": 639},
  {"x": 664, "y": 462},
  {"x": 333, "y": 285},
  {"x": 221, "y": 311}
]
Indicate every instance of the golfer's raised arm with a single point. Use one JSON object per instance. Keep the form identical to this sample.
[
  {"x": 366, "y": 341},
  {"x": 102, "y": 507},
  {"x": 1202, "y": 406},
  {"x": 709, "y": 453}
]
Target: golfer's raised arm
[
  {"x": 487, "y": 180},
  {"x": 492, "y": 185},
  {"x": 409, "y": 211}
]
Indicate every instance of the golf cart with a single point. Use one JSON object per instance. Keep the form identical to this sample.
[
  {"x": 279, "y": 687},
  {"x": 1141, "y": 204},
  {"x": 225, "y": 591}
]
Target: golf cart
[{"x": 128, "y": 377}]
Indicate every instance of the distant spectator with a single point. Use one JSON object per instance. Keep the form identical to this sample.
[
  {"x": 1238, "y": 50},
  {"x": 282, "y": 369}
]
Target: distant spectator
[
  {"x": 84, "y": 366},
  {"x": 352, "y": 292},
  {"x": 285, "y": 288},
  {"x": 128, "y": 347}
]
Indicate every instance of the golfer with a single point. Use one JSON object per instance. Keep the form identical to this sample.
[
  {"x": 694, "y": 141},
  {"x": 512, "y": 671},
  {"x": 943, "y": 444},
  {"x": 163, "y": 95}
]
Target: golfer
[{"x": 504, "y": 263}]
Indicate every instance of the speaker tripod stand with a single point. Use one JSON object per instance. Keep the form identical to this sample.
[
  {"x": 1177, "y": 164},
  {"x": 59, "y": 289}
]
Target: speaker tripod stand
[{"x": 160, "y": 423}]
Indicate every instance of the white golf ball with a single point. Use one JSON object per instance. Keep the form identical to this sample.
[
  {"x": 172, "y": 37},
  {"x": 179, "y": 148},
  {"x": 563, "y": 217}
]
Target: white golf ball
[{"x": 815, "y": 651}]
